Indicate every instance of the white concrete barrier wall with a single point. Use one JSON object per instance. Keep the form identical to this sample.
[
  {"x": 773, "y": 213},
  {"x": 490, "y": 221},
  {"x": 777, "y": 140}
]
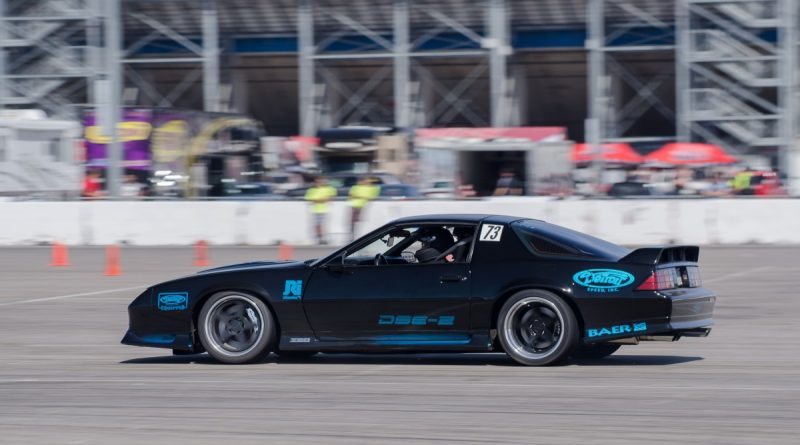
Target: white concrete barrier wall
[{"x": 702, "y": 221}]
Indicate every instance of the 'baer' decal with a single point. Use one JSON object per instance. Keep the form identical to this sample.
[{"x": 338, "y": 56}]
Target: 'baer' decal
[{"x": 603, "y": 280}]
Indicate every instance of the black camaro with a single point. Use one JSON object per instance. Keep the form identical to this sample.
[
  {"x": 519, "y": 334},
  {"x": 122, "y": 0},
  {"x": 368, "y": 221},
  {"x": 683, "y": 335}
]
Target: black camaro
[{"x": 459, "y": 283}]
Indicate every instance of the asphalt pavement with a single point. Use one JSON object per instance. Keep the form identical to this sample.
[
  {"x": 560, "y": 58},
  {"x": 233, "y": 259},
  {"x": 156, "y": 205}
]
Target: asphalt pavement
[{"x": 65, "y": 379}]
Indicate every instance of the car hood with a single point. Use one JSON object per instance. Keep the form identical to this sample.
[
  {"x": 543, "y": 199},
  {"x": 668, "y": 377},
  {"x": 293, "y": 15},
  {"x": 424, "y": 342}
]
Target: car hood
[{"x": 255, "y": 265}]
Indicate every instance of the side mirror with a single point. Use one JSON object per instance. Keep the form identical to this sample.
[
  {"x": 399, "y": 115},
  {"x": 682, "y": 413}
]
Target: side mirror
[{"x": 337, "y": 267}]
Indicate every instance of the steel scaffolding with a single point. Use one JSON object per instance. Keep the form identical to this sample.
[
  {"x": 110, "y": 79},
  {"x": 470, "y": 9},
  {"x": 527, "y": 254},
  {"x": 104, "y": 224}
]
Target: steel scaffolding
[
  {"x": 46, "y": 54},
  {"x": 203, "y": 57},
  {"x": 65, "y": 56},
  {"x": 736, "y": 72},
  {"x": 419, "y": 98},
  {"x": 619, "y": 96}
]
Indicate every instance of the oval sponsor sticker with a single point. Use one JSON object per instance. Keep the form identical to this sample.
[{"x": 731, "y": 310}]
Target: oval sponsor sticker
[
  {"x": 603, "y": 280},
  {"x": 173, "y": 301}
]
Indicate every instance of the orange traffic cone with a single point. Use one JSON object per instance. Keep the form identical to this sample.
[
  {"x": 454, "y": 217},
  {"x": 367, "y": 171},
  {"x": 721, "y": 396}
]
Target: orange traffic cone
[
  {"x": 59, "y": 255},
  {"x": 112, "y": 261},
  {"x": 201, "y": 254},
  {"x": 285, "y": 252}
]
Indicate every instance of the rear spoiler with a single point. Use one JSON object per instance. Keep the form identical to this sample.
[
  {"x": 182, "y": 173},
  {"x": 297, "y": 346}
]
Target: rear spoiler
[{"x": 661, "y": 255}]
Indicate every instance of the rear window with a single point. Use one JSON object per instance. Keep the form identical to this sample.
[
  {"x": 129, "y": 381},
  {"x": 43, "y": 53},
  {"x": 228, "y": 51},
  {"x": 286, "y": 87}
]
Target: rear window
[
  {"x": 550, "y": 239},
  {"x": 544, "y": 245}
]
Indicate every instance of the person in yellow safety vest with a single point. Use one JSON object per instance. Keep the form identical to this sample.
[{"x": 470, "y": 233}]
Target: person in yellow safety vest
[
  {"x": 360, "y": 194},
  {"x": 319, "y": 195},
  {"x": 741, "y": 182}
]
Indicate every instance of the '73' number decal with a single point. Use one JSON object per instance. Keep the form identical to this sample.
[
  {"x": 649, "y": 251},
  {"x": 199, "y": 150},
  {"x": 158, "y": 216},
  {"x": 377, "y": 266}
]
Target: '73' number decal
[{"x": 491, "y": 232}]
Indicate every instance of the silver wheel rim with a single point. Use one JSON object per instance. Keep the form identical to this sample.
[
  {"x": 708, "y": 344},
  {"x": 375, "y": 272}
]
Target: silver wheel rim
[
  {"x": 234, "y": 325},
  {"x": 544, "y": 326}
]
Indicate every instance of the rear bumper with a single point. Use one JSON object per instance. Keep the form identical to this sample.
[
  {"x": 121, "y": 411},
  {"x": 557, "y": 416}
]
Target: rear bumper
[
  {"x": 691, "y": 307},
  {"x": 664, "y": 315},
  {"x": 691, "y": 314}
]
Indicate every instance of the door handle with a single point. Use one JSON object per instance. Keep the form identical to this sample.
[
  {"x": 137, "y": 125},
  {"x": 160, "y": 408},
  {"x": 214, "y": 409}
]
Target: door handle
[{"x": 452, "y": 278}]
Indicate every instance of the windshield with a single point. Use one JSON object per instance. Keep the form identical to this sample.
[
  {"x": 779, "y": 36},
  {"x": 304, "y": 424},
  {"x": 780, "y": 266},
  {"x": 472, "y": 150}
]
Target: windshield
[{"x": 576, "y": 243}]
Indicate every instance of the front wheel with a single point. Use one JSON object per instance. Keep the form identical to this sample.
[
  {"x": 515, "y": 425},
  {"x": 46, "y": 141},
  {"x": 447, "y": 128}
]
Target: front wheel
[
  {"x": 236, "y": 327},
  {"x": 536, "y": 328}
]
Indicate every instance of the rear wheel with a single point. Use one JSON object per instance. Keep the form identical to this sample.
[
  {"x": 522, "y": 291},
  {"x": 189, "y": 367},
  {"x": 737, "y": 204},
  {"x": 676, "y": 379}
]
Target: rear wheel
[
  {"x": 537, "y": 328},
  {"x": 595, "y": 351},
  {"x": 236, "y": 327}
]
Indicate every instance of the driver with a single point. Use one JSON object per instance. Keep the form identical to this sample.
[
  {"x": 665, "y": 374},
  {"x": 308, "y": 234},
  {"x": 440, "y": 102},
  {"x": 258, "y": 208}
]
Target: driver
[{"x": 434, "y": 242}]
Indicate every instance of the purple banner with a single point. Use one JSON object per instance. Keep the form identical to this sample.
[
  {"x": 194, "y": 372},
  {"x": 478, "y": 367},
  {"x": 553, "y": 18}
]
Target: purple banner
[{"x": 134, "y": 131}]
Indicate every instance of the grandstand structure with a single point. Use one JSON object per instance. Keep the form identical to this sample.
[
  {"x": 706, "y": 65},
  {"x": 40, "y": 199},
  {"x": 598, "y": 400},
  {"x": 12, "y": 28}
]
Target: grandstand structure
[{"x": 641, "y": 71}]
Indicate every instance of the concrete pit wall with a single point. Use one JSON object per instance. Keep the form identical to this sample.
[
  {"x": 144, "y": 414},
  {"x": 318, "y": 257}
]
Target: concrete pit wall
[{"x": 631, "y": 222}]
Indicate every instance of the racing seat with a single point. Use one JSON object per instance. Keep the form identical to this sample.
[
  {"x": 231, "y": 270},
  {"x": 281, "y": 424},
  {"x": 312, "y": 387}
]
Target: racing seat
[
  {"x": 459, "y": 250},
  {"x": 436, "y": 241},
  {"x": 431, "y": 255},
  {"x": 465, "y": 235},
  {"x": 426, "y": 255}
]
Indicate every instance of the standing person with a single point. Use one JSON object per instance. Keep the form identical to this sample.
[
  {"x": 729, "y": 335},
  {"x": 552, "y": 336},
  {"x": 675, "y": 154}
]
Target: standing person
[
  {"x": 741, "y": 182},
  {"x": 92, "y": 185},
  {"x": 717, "y": 187},
  {"x": 131, "y": 188},
  {"x": 507, "y": 185},
  {"x": 360, "y": 194},
  {"x": 319, "y": 195}
]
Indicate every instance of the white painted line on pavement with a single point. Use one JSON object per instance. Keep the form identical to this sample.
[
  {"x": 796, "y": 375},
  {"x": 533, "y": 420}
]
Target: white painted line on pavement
[
  {"x": 735, "y": 274},
  {"x": 333, "y": 383},
  {"x": 84, "y": 294},
  {"x": 374, "y": 370}
]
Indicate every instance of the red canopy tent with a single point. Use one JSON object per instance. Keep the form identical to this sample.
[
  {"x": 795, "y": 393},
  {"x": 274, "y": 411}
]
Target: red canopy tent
[
  {"x": 685, "y": 153},
  {"x": 620, "y": 153}
]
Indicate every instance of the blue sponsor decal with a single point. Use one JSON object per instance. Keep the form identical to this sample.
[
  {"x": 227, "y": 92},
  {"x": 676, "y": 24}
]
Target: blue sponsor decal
[
  {"x": 162, "y": 339},
  {"x": 617, "y": 330},
  {"x": 173, "y": 301},
  {"x": 293, "y": 289},
  {"x": 421, "y": 339},
  {"x": 416, "y": 320},
  {"x": 603, "y": 280}
]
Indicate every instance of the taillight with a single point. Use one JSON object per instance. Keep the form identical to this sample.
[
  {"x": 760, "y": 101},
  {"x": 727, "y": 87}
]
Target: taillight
[
  {"x": 661, "y": 279},
  {"x": 694, "y": 276},
  {"x": 649, "y": 283}
]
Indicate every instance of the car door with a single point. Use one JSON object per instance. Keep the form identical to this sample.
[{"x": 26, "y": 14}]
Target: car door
[{"x": 387, "y": 302}]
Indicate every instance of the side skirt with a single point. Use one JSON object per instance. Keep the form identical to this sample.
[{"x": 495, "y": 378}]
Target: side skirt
[{"x": 443, "y": 342}]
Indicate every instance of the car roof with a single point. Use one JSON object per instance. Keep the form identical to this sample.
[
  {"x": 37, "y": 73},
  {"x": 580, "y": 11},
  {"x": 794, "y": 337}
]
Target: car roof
[
  {"x": 458, "y": 218},
  {"x": 454, "y": 218}
]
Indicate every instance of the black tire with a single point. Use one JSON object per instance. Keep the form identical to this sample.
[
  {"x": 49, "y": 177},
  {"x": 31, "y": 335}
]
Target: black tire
[
  {"x": 236, "y": 327},
  {"x": 537, "y": 328},
  {"x": 595, "y": 351}
]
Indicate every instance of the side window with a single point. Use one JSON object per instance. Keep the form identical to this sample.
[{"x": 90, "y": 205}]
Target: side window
[
  {"x": 424, "y": 244},
  {"x": 387, "y": 248},
  {"x": 542, "y": 245}
]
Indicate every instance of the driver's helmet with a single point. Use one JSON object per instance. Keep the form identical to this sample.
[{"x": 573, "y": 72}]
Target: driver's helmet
[
  {"x": 438, "y": 238},
  {"x": 434, "y": 242}
]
